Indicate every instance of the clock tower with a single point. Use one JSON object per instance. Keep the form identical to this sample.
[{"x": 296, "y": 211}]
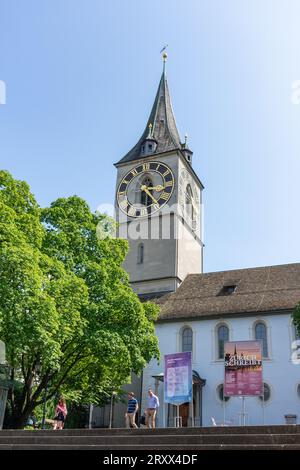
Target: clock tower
[{"x": 158, "y": 204}]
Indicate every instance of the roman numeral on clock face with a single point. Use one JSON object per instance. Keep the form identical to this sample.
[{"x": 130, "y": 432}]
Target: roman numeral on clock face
[
  {"x": 143, "y": 211},
  {"x": 146, "y": 166},
  {"x": 168, "y": 183},
  {"x": 134, "y": 172},
  {"x": 123, "y": 204},
  {"x": 165, "y": 196},
  {"x": 132, "y": 211}
]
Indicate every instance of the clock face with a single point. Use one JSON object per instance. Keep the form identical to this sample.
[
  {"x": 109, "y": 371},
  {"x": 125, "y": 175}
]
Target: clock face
[
  {"x": 189, "y": 199},
  {"x": 145, "y": 189}
]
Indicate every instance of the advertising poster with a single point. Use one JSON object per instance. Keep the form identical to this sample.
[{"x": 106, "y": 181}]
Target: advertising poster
[
  {"x": 243, "y": 368},
  {"x": 178, "y": 378}
]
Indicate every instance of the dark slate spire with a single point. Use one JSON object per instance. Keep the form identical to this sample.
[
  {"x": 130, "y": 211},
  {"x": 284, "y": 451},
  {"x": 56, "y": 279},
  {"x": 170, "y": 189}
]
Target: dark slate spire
[{"x": 160, "y": 134}]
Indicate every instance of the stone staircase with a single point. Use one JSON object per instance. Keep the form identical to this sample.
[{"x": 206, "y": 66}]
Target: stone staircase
[{"x": 284, "y": 437}]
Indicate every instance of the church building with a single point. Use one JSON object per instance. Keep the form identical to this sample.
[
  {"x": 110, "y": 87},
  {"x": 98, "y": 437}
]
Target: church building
[
  {"x": 158, "y": 204},
  {"x": 159, "y": 210}
]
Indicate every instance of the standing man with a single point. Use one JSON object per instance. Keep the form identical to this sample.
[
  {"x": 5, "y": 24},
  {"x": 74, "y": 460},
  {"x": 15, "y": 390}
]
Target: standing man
[
  {"x": 153, "y": 404},
  {"x": 132, "y": 408}
]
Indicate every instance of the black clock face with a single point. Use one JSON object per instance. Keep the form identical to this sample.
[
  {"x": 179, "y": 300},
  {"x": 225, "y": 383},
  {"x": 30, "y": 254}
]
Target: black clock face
[{"x": 145, "y": 189}]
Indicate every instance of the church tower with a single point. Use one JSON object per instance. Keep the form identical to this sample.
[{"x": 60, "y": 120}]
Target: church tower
[{"x": 158, "y": 204}]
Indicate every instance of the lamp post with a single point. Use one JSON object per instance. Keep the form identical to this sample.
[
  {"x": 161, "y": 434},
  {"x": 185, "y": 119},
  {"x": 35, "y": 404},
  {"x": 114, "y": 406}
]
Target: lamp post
[
  {"x": 44, "y": 406},
  {"x": 5, "y": 383},
  {"x": 38, "y": 368}
]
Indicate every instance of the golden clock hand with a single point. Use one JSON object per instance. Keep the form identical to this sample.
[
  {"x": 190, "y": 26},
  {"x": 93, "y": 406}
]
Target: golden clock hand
[
  {"x": 157, "y": 188},
  {"x": 144, "y": 188}
]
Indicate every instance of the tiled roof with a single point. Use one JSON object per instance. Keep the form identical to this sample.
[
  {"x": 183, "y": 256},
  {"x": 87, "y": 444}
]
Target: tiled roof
[{"x": 264, "y": 289}]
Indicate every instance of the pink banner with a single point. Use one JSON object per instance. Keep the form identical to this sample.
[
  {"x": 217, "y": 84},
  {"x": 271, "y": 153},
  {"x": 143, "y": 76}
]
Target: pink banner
[{"x": 243, "y": 369}]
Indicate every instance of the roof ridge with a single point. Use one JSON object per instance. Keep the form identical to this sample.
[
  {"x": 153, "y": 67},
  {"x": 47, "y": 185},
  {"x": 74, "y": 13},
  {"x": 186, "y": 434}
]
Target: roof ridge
[
  {"x": 243, "y": 269},
  {"x": 234, "y": 295}
]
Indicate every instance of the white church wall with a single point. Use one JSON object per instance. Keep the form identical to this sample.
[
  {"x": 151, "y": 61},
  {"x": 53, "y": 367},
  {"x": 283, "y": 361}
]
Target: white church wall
[{"x": 279, "y": 372}]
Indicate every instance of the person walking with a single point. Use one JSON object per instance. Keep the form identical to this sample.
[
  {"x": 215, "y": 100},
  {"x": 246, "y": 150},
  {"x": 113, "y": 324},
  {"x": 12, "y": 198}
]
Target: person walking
[
  {"x": 153, "y": 404},
  {"x": 60, "y": 414},
  {"x": 132, "y": 407}
]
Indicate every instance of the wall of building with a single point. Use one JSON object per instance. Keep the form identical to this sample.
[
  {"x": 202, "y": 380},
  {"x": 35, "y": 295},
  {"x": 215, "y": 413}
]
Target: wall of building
[
  {"x": 279, "y": 372},
  {"x": 189, "y": 253}
]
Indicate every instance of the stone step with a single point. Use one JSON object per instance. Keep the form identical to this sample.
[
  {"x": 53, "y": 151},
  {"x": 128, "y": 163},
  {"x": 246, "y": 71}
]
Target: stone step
[
  {"x": 175, "y": 447},
  {"x": 278, "y": 429},
  {"x": 153, "y": 439},
  {"x": 213, "y": 438}
]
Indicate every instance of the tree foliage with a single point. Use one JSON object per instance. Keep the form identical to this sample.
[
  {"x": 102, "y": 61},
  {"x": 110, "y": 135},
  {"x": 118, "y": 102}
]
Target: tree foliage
[
  {"x": 70, "y": 321},
  {"x": 296, "y": 318}
]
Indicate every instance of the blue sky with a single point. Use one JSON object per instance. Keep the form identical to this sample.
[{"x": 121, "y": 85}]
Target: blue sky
[{"x": 81, "y": 77}]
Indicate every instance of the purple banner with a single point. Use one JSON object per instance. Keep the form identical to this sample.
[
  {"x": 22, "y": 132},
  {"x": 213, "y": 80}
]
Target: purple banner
[
  {"x": 178, "y": 378},
  {"x": 243, "y": 369}
]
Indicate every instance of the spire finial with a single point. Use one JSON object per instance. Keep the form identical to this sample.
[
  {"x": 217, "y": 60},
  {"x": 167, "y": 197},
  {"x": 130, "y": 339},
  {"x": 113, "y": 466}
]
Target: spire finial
[
  {"x": 149, "y": 131},
  {"x": 164, "y": 55},
  {"x": 185, "y": 140}
]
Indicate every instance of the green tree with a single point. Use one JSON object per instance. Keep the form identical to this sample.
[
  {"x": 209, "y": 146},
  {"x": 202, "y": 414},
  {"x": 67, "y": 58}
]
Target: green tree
[
  {"x": 296, "y": 318},
  {"x": 70, "y": 321}
]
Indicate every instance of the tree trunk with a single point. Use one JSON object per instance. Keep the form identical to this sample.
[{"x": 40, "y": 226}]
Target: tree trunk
[{"x": 19, "y": 420}]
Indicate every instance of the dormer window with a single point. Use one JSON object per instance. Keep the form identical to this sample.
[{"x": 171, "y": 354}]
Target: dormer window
[
  {"x": 149, "y": 146},
  {"x": 228, "y": 290}
]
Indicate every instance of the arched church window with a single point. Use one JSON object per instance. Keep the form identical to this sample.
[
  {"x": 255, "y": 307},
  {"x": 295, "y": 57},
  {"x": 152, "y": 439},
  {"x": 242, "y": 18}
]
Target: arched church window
[
  {"x": 187, "y": 339},
  {"x": 141, "y": 253},
  {"x": 220, "y": 393},
  {"x": 261, "y": 334},
  {"x": 267, "y": 393},
  {"x": 189, "y": 202},
  {"x": 222, "y": 336},
  {"x": 146, "y": 200}
]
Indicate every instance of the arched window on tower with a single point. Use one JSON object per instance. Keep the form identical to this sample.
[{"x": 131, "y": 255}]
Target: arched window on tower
[
  {"x": 141, "y": 253},
  {"x": 222, "y": 337},
  {"x": 189, "y": 202},
  {"x": 145, "y": 198},
  {"x": 187, "y": 339},
  {"x": 260, "y": 331}
]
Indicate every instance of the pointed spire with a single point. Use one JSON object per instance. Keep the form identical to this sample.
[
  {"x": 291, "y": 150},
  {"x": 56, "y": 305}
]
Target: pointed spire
[{"x": 163, "y": 125}]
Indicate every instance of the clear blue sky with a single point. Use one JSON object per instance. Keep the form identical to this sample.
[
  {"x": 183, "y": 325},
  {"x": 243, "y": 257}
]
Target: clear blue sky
[{"x": 81, "y": 78}]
